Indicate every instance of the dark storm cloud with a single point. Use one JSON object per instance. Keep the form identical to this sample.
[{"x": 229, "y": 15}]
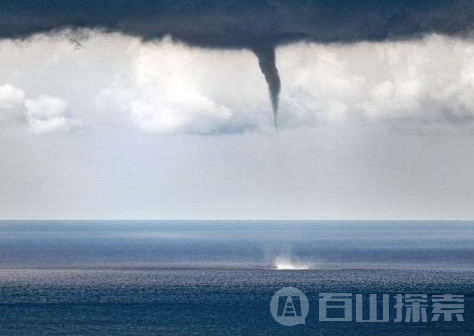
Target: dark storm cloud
[
  {"x": 242, "y": 23},
  {"x": 257, "y": 25}
]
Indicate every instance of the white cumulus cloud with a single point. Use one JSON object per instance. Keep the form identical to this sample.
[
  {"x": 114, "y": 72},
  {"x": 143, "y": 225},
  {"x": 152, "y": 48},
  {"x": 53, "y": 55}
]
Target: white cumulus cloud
[
  {"x": 42, "y": 115},
  {"x": 11, "y": 97},
  {"x": 48, "y": 114},
  {"x": 168, "y": 87},
  {"x": 431, "y": 79},
  {"x": 12, "y": 104}
]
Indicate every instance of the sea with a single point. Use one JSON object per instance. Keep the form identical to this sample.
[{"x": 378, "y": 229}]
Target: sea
[{"x": 218, "y": 277}]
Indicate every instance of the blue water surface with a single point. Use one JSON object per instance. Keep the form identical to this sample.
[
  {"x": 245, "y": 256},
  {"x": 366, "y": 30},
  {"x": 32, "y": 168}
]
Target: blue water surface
[{"x": 217, "y": 278}]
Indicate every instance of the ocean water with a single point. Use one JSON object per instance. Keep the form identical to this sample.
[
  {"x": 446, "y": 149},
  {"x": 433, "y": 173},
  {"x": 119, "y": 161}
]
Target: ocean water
[{"x": 217, "y": 278}]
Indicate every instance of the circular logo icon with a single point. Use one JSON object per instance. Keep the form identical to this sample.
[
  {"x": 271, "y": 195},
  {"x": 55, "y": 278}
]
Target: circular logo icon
[{"x": 289, "y": 306}]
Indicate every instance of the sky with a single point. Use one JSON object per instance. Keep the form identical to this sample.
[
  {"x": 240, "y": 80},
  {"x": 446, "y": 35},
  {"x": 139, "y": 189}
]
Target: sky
[{"x": 111, "y": 121}]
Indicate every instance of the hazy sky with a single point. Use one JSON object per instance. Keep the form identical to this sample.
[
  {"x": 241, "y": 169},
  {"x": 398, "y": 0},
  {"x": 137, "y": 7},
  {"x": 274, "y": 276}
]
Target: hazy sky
[{"x": 108, "y": 126}]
